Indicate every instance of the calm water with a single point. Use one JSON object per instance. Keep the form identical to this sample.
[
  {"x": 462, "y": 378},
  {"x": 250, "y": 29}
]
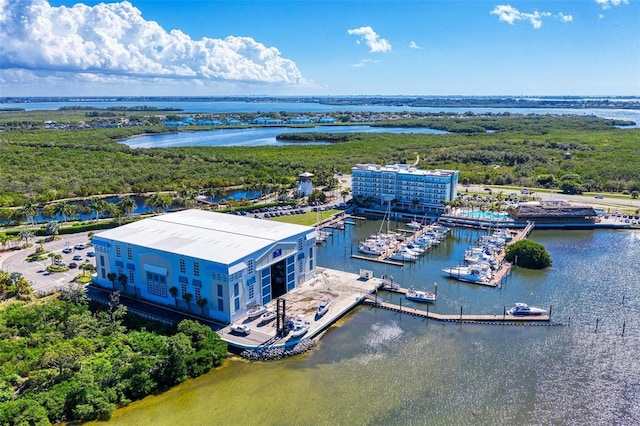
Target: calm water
[
  {"x": 379, "y": 368},
  {"x": 300, "y": 107},
  {"x": 254, "y": 136}
]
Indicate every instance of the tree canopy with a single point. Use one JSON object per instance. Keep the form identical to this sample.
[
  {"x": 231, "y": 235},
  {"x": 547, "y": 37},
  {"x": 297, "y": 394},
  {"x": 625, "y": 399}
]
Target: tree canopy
[{"x": 528, "y": 254}]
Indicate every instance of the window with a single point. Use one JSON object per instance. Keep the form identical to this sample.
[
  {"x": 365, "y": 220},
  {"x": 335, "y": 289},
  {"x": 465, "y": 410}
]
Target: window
[
  {"x": 251, "y": 291},
  {"x": 118, "y": 251},
  {"x": 183, "y": 288},
  {"x": 250, "y": 266},
  {"x": 131, "y": 277},
  {"x": 220, "y": 305},
  {"x": 236, "y": 290},
  {"x": 220, "y": 291},
  {"x": 299, "y": 244},
  {"x": 156, "y": 284},
  {"x": 183, "y": 266},
  {"x": 196, "y": 269},
  {"x": 129, "y": 253},
  {"x": 197, "y": 292},
  {"x": 101, "y": 260}
]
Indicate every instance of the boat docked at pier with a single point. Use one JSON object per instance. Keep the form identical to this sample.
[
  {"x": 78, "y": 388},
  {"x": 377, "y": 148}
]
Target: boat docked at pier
[
  {"x": 522, "y": 309},
  {"x": 475, "y": 274},
  {"x": 420, "y": 296},
  {"x": 268, "y": 315}
]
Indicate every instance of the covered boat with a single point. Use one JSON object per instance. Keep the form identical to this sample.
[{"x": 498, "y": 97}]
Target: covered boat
[
  {"x": 420, "y": 296},
  {"x": 522, "y": 309}
]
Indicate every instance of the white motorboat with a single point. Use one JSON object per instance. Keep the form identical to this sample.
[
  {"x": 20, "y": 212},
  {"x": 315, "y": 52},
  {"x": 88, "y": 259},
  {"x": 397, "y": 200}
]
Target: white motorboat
[
  {"x": 323, "y": 307},
  {"x": 240, "y": 329},
  {"x": 522, "y": 309},
  {"x": 420, "y": 296},
  {"x": 414, "y": 225},
  {"x": 299, "y": 329},
  {"x": 269, "y": 315},
  {"x": 476, "y": 274},
  {"x": 256, "y": 311}
]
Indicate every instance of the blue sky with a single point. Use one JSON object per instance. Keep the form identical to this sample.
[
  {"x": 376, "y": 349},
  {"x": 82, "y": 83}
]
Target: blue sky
[{"x": 306, "y": 47}]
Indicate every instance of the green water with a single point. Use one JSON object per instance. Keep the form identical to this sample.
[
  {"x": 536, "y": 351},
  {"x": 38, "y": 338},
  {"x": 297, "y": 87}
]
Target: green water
[{"x": 379, "y": 368}]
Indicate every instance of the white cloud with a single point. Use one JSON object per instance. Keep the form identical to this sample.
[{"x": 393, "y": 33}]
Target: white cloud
[
  {"x": 364, "y": 62},
  {"x": 510, "y": 14},
  {"x": 371, "y": 39},
  {"x": 565, "y": 18},
  {"x": 606, "y": 4},
  {"x": 114, "y": 40},
  {"x": 413, "y": 45}
]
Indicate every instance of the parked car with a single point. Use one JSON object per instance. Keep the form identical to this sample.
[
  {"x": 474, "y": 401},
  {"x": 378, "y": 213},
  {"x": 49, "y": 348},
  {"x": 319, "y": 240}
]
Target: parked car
[
  {"x": 91, "y": 254},
  {"x": 599, "y": 197},
  {"x": 77, "y": 257},
  {"x": 67, "y": 250},
  {"x": 79, "y": 247},
  {"x": 73, "y": 265}
]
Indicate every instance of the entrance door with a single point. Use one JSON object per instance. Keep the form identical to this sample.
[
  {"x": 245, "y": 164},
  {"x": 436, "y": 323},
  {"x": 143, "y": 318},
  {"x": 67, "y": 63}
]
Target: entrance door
[{"x": 278, "y": 279}]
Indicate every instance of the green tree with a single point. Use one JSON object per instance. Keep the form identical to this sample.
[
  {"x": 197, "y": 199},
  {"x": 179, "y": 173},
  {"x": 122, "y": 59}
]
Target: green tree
[
  {"x": 173, "y": 291},
  {"x": 112, "y": 276},
  {"x": 128, "y": 205},
  {"x": 187, "y": 299},
  {"x": 528, "y": 254},
  {"x": 202, "y": 302},
  {"x": 64, "y": 209}
]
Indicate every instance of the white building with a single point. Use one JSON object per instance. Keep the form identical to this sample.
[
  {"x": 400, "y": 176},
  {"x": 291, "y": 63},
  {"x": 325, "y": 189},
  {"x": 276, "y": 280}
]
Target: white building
[
  {"x": 408, "y": 187},
  {"x": 233, "y": 262},
  {"x": 305, "y": 186}
]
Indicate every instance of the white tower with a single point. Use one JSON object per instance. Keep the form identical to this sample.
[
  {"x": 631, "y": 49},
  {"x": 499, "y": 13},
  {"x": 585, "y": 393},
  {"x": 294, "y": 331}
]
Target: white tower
[{"x": 305, "y": 187}]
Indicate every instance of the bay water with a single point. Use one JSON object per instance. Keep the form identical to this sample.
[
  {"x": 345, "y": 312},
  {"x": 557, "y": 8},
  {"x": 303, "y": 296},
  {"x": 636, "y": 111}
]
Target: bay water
[{"x": 378, "y": 367}]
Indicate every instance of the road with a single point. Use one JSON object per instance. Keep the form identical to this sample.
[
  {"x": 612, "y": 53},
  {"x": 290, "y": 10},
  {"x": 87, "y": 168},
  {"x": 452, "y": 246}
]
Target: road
[
  {"x": 603, "y": 203},
  {"x": 15, "y": 261}
]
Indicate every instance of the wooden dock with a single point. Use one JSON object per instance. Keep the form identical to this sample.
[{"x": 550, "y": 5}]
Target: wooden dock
[
  {"x": 503, "y": 318},
  {"x": 505, "y": 267}
]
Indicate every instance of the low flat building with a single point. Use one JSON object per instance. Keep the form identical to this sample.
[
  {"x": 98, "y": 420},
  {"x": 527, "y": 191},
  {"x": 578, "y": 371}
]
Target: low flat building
[
  {"x": 231, "y": 262},
  {"x": 555, "y": 212}
]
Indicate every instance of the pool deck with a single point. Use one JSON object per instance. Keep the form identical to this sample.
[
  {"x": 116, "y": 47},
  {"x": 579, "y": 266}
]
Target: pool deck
[{"x": 344, "y": 290}]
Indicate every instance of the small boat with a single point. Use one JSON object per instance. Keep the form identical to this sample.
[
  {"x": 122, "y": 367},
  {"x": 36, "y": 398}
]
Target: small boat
[
  {"x": 256, "y": 311},
  {"x": 299, "y": 329},
  {"x": 240, "y": 329},
  {"x": 522, "y": 309},
  {"x": 323, "y": 307},
  {"x": 268, "y": 316},
  {"x": 414, "y": 224},
  {"x": 420, "y": 296}
]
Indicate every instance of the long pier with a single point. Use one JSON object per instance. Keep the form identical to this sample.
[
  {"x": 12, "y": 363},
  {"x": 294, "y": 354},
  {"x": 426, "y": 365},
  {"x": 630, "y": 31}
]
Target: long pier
[
  {"x": 505, "y": 267},
  {"x": 504, "y": 318}
]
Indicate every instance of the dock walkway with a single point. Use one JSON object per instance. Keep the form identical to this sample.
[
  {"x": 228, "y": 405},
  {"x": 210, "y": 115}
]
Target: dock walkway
[{"x": 503, "y": 318}]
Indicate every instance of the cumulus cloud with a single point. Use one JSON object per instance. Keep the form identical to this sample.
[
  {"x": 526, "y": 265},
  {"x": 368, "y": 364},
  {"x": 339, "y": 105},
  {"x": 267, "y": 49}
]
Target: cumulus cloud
[
  {"x": 607, "y": 4},
  {"x": 414, "y": 45},
  {"x": 510, "y": 14},
  {"x": 565, "y": 18},
  {"x": 113, "y": 39},
  {"x": 371, "y": 39}
]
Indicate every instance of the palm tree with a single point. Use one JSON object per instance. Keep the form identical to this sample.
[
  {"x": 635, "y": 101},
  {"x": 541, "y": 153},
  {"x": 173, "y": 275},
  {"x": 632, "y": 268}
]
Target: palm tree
[
  {"x": 202, "y": 302},
  {"x": 187, "y": 298},
  {"x": 173, "y": 291},
  {"x": 111, "y": 276},
  {"x": 128, "y": 205},
  {"x": 63, "y": 209},
  {"x": 98, "y": 206},
  {"x": 122, "y": 280},
  {"x": 158, "y": 202},
  {"x": 29, "y": 211},
  {"x": 25, "y": 235}
]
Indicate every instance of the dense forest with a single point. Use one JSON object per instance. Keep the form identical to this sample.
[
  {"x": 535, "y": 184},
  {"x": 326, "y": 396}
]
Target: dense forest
[
  {"x": 44, "y": 165},
  {"x": 62, "y": 361}
]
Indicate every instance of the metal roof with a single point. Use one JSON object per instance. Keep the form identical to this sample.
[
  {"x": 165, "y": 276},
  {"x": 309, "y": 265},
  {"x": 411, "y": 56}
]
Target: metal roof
[{"x": 216, "y": 237}]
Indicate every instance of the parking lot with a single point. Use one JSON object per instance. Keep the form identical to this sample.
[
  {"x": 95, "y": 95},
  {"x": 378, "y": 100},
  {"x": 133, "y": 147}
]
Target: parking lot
[{"x": 69, "y": 246}]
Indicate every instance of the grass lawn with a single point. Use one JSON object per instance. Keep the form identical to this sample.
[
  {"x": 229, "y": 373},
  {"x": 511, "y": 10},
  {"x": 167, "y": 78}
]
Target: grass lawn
[{"x": 308, "y": 219}]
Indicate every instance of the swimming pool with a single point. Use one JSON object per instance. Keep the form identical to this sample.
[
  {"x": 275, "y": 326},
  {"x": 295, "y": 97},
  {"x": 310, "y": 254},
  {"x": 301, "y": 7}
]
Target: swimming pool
[{"x": 479, "y": 214}]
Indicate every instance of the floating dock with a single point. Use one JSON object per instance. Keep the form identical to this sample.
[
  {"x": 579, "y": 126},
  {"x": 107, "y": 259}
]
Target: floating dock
[{"x": 503, "y": 318}]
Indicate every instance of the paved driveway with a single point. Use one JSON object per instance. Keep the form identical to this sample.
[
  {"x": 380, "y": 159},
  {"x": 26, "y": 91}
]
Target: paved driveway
[{"x": 15, "y": 261}]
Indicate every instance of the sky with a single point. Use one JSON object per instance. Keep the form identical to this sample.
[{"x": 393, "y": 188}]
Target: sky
[{"x": 323, "y": 48}]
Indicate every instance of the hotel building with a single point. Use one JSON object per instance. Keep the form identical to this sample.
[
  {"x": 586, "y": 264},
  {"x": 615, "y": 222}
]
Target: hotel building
[{"x": 407, "y": 187}]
